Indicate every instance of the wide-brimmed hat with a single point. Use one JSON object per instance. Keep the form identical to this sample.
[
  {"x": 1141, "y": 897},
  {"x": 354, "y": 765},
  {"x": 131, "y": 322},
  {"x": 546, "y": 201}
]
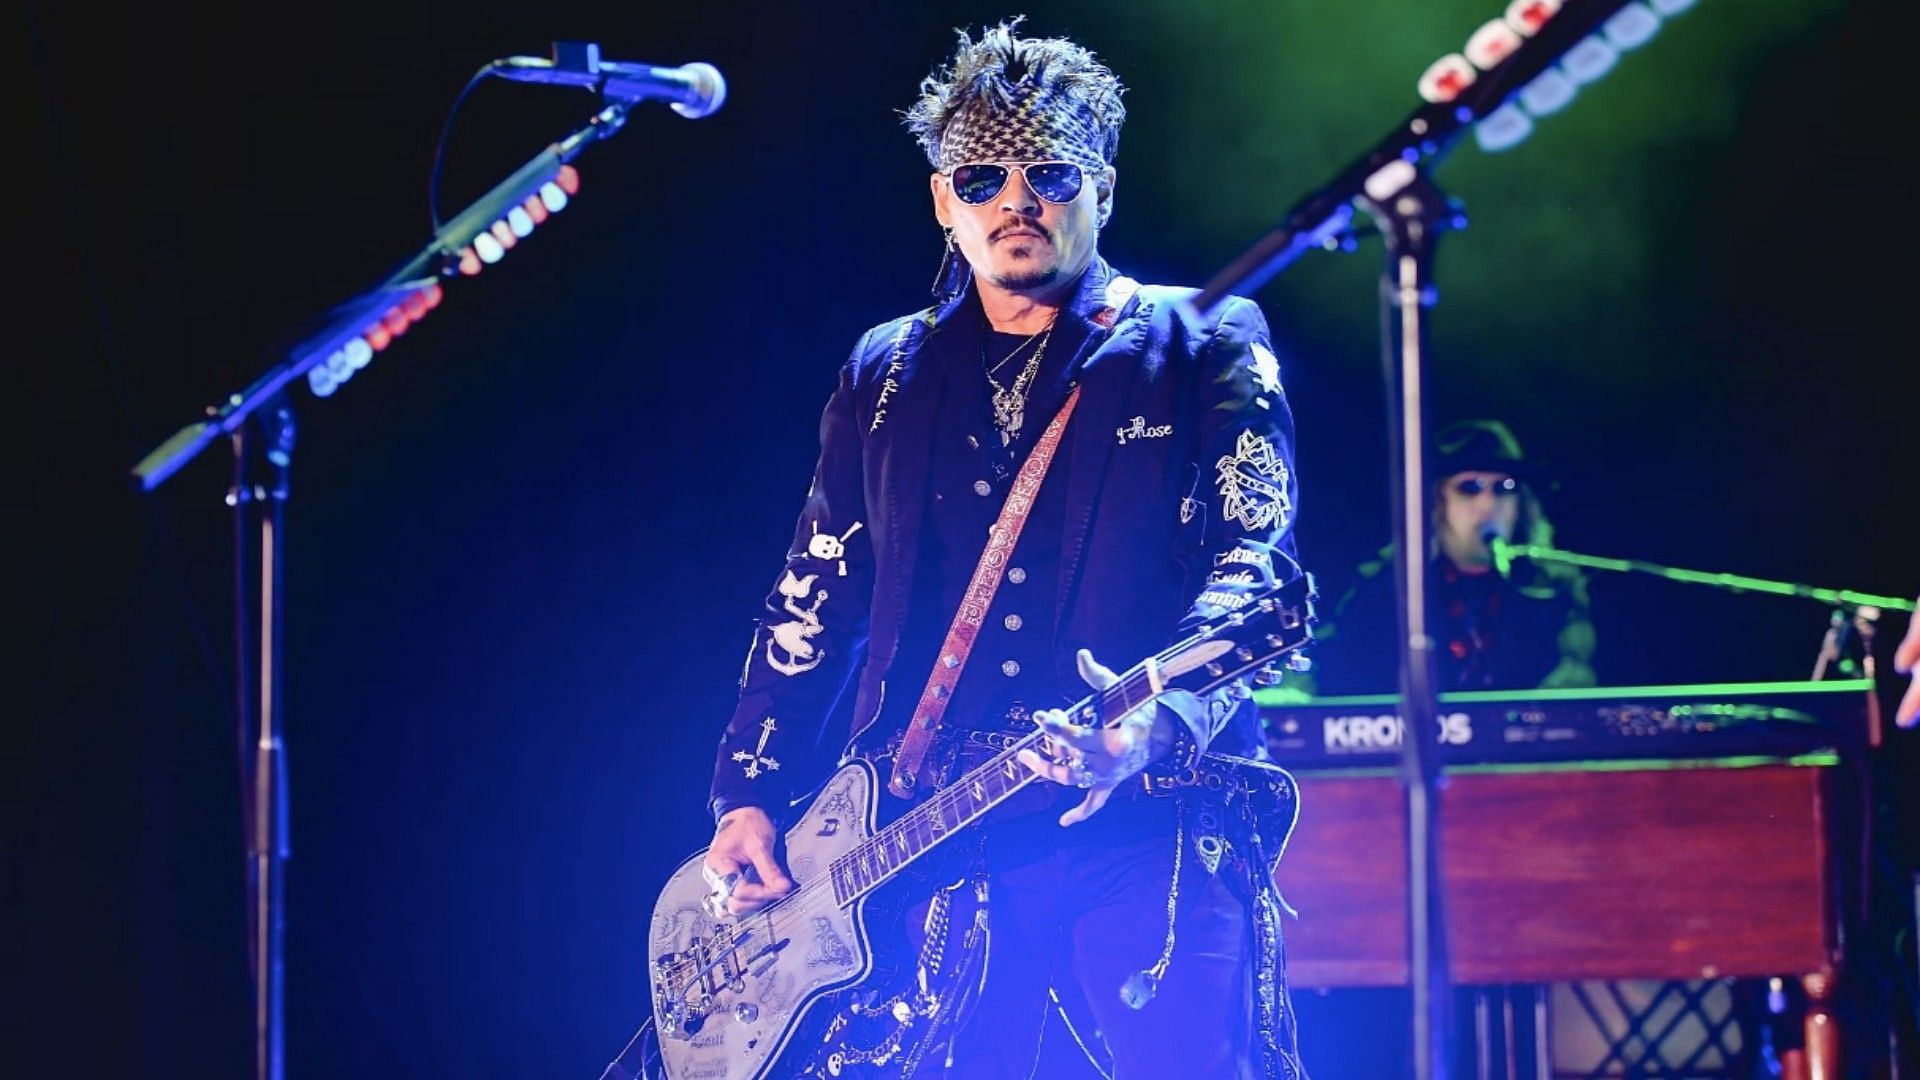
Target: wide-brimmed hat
[{"x": 1481, "y": 446}]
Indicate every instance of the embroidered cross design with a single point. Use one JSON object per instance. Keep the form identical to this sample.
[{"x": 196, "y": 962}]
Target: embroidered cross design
[{"x": 758, "y": 756}]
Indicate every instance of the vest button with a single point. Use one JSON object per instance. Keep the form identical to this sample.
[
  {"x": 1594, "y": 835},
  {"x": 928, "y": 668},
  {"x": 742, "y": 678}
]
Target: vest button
[
  {"x": 1016, "y": 575},
  {"x": 1013, "y": 622},
  {"x": 981, "y": 487},
  {"x": 1010, "y": 668}
]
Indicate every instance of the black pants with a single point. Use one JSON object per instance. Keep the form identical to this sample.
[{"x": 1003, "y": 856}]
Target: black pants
[{"x": 1085, "y": 907}]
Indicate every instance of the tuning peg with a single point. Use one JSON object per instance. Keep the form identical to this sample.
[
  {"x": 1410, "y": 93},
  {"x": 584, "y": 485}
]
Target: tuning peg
[
  {"x": 1299, "y": 661},
  {"x": 1268, "y": 676}
]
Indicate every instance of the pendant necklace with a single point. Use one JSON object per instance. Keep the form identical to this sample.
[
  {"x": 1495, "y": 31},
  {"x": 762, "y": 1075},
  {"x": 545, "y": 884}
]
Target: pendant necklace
[{"x": 1010, "y": 402}]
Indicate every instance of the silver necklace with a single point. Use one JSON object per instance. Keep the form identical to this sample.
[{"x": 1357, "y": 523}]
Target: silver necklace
[
  {"x": 1015, "y": 351},
  {"x": 1010, "y": 402}
]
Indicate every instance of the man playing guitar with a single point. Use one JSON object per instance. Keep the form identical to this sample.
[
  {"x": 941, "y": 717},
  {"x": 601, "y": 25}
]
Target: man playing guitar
[{"x": 1163, "y": 498}]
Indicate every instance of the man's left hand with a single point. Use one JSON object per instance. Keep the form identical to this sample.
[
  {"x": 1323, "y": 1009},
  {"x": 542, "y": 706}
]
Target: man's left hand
[{"x": 1098, "y": 759}]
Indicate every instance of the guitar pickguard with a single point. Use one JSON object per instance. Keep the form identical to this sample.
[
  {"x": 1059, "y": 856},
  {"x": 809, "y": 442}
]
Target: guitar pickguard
[{"x": 728, "y": 993}]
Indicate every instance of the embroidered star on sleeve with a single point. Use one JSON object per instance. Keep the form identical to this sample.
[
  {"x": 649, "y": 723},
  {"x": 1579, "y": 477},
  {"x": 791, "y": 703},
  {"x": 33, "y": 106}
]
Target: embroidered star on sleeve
[{"x": 1266, "y": 369}]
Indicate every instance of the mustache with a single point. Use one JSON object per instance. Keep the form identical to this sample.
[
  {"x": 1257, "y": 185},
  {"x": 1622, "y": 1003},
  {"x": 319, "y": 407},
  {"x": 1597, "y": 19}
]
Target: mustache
[{"x": 1019, "y": 227}]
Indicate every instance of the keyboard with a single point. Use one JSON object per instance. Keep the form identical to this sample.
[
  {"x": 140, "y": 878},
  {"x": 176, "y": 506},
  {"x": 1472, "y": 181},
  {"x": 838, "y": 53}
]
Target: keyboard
[{"x": 1777, "y": 719}]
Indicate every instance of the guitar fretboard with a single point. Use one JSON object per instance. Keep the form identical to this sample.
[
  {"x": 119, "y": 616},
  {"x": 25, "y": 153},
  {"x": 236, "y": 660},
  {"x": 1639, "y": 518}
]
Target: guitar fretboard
[
  {"x": 963, "y": 802},
  {"x": 1214, "y": 656},
  {"x": 950, "y": 810}
]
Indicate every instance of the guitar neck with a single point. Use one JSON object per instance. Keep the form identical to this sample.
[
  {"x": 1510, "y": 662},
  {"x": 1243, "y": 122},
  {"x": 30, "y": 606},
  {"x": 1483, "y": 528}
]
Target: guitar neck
[
  {"x": 1237, "y": 643},
  {"x": 959, "y": 804},
  {"x": 950, "y": 810}
]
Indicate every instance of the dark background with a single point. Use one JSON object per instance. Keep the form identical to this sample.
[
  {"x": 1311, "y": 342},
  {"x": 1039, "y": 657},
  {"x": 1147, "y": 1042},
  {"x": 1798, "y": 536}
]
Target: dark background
[{"x": 525, "y": 543}]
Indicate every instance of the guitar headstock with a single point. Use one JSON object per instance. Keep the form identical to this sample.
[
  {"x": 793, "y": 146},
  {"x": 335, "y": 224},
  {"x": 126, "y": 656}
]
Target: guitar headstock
[{"x": 1269, "y": 626}]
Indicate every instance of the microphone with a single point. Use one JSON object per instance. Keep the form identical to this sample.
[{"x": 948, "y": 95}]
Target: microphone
[
  {"x": 694, "y": 90},
  {"x": 1496, "y": 542}
]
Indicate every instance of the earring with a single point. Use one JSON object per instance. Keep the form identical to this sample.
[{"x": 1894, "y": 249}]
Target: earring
[{"x": 950, "y": 279}]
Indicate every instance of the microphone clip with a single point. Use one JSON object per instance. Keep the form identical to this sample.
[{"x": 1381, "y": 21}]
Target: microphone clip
[{"x": 578, "y": 57}]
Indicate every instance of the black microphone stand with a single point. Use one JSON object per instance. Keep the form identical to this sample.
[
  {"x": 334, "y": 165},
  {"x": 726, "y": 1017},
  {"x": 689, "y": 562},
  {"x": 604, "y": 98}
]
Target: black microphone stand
[
  {"x": 258, "y": 419},
  {"x": 1410, "y": 221},
  {"x": 1391, "y": 184}
]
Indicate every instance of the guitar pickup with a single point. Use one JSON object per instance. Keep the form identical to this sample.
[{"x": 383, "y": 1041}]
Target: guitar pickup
[{"x": 762, "y": 962}]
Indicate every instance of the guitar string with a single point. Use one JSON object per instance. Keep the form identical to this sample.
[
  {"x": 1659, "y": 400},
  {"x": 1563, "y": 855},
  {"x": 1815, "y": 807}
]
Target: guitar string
[
  {"x": 800, "y": 901},
  {"x": 925, "y": 814},
  {"x": 879, "y": 842},
  {"x": 1136, "y": 678},
  {"x": 947, "y": 798},
  {"x": 844, "y": 862}
]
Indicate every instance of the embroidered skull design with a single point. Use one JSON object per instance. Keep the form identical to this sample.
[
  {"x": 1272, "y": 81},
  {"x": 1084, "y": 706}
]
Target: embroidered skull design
[{"x": 830, "y": 548}]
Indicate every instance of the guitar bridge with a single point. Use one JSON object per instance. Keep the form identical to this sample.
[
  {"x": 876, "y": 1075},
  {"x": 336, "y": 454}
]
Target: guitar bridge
[{"x": 687, "y": 983}]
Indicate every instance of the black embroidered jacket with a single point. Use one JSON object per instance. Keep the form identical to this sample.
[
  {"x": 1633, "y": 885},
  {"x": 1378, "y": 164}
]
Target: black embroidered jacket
[{"x": 1179, "y": 480}]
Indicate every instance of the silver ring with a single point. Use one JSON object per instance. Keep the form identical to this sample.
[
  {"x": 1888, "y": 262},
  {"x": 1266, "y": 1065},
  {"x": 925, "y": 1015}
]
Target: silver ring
[{"x": 723, "y": 886}]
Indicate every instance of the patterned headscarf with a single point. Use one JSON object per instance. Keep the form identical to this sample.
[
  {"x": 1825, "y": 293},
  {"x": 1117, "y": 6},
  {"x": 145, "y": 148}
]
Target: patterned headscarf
[
  {"x": 1031, "y": 123},
  {"x": 1004, "y": 97}
]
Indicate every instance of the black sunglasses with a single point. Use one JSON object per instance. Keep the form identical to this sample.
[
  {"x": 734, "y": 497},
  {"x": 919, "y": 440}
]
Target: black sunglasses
[
  {"x": 978, "y": 181},
  {"x": 1473, "y": 485}
]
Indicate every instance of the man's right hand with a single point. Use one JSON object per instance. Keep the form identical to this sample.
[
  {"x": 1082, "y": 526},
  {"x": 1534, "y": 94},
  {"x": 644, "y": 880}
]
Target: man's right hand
[{"x": 743, "y": 843}]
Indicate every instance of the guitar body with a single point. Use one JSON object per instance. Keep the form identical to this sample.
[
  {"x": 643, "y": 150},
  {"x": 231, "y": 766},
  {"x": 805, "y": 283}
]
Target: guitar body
[
  {"x": 732, "y": 995},
  {"x": 729, "y": 994},
  {"x": 795, "y": 986}
]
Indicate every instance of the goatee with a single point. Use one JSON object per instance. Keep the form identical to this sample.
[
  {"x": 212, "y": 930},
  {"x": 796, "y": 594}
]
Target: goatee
[{"x": 1031, "y": 279}]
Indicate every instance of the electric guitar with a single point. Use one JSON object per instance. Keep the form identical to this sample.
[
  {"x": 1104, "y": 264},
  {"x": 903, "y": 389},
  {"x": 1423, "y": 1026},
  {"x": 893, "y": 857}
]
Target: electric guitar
[{"x": 730, "y": 992}]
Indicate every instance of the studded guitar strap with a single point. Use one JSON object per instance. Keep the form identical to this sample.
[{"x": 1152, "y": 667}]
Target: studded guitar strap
[{"x": 908, "y": 760}]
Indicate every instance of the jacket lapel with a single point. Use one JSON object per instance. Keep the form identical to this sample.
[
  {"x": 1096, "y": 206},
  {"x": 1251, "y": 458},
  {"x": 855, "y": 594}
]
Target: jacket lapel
[
  {"x": 1106, "y": 383},
  {"x": 899, "y": 448},
  {"x": 1105, "y": 325}
]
